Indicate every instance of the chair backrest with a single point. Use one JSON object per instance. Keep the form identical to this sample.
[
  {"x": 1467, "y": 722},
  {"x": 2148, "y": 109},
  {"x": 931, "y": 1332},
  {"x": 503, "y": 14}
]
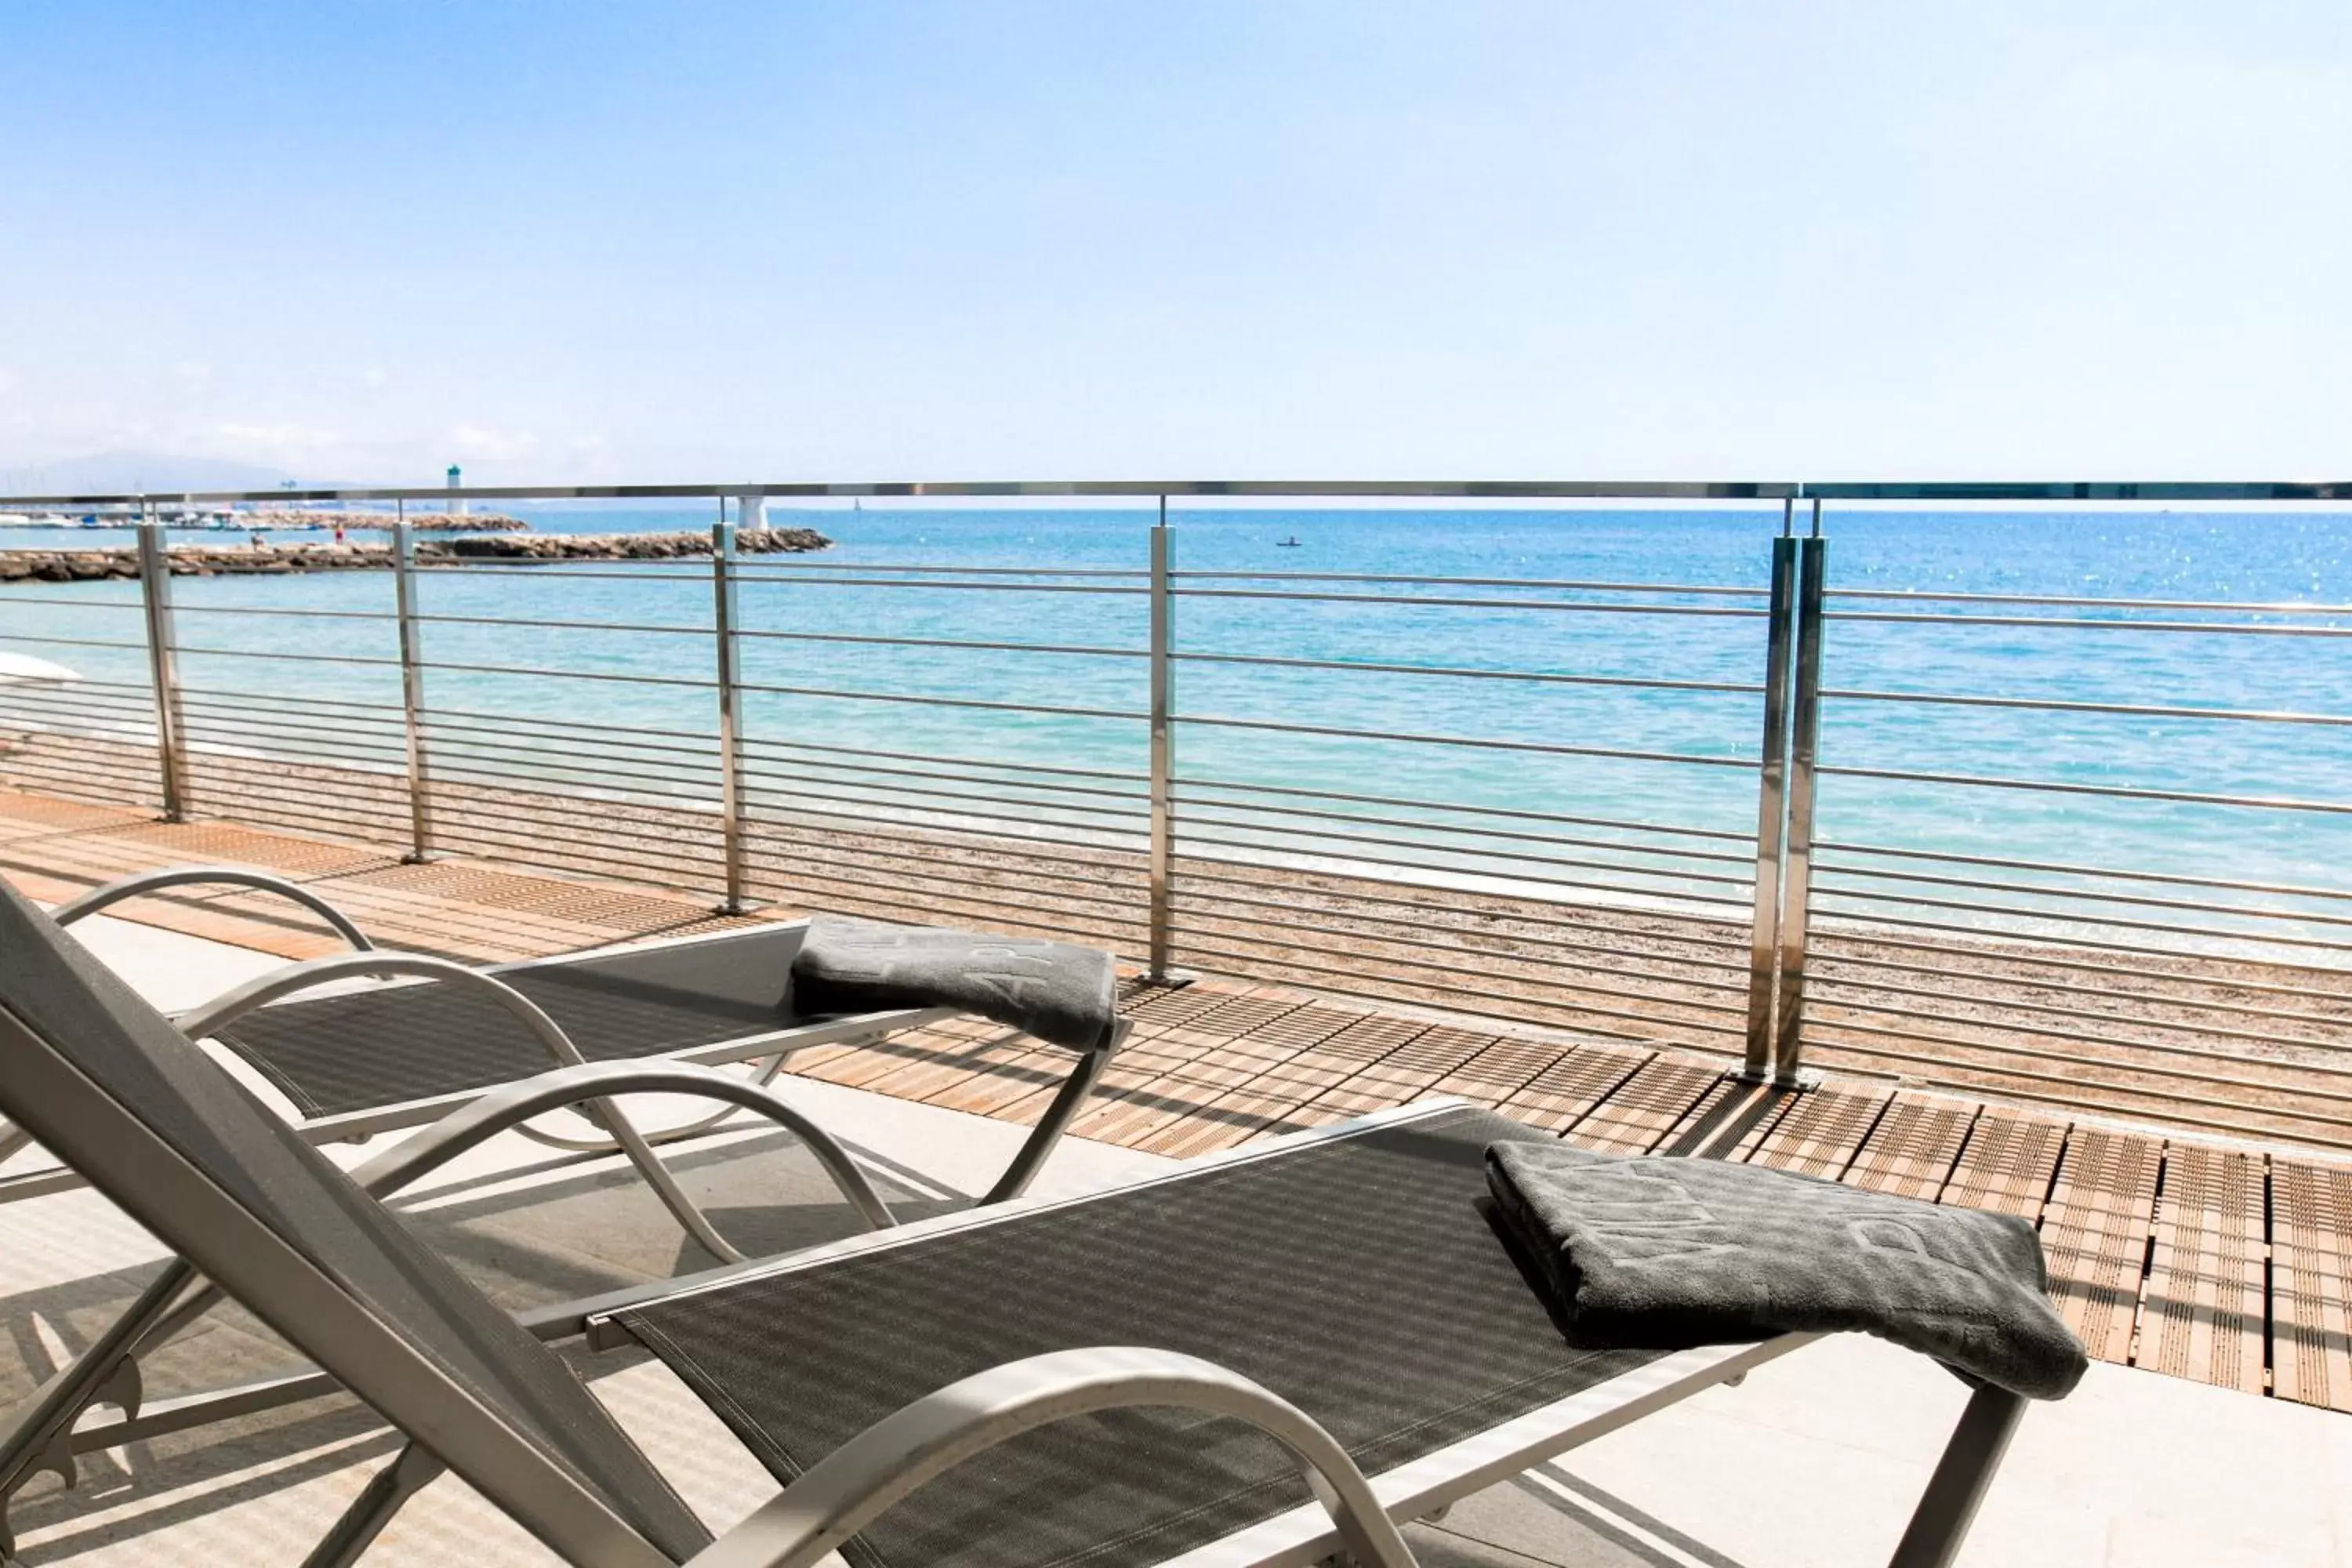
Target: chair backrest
[{"x": 114, "y": 1090}]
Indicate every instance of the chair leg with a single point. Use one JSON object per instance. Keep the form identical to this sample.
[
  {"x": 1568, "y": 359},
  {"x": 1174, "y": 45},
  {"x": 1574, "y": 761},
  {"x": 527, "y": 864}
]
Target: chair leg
[
  {"x": 411, "y": 1469},
  {"x": 1068, "y": 1101},
  {"x": 1962, "y": 1477}
]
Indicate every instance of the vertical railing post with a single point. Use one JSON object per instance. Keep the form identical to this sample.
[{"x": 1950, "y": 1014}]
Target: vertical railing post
[
  {"x": 1771, "y": 807},
  {"x": 412, "y": 688},
  {"x": 162, "y": 667},
  {"x": 1805, "y": 756},
  {"x": 730, "y": 711},
  {"x": 1163, "y": 759}
]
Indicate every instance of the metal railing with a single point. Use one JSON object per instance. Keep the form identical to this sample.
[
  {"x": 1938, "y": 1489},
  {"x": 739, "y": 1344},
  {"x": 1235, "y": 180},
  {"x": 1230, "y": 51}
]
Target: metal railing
[{"x": 1315, "y": 777}]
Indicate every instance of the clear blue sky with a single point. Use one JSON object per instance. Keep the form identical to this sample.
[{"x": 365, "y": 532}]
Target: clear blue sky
[{"x": 1275, "y": 239}]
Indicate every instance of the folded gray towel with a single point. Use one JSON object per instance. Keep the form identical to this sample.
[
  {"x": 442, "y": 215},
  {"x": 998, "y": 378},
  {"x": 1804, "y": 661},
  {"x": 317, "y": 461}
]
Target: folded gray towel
[
  {"x": 1056, "y": 990},
  {"x": 1666, "y": 1253}
]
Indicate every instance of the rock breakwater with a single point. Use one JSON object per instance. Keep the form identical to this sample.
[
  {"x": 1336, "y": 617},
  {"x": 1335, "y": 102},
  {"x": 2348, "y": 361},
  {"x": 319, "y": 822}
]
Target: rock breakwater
[{"x": 270, "y": 558}]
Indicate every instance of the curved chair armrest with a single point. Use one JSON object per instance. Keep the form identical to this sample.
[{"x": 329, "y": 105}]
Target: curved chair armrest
[
  {"x": 123, "y": 888},
  {"x": 227, "y": 1008},
  {"x": 502, "y": 1109},
  {"x": 843, "y": 1492},
  {"x": 288, "y": 979}
]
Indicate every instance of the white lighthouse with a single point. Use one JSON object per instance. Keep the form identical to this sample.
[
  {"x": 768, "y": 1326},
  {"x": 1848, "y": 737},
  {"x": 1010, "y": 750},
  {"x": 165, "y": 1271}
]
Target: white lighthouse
[{"x": 456, "y": 479}]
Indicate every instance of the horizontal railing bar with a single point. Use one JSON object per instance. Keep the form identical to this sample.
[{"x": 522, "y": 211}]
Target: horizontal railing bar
[
  {"x": 302, "y": 699},
  {"x": 268, "y": 806},
  {"x": 884, "y": 786},
  {"x": 1712, "y": 855},
  {"x": 1513, "y": 855},
  {"x": 1513, "y": 813},
  {"x": 11, "y": 598},
  {"x": 2113, "y": 791},
  {"x": 838, "y": 695},
  {"x": 528, "y": 625},
  {"x": 68, "y": 642},
  {"x": 789, "y": 790},
  {"x": 946, "y": 642},
  {"x": 482, "y": 820},
  {"x": 2053, "y": 705},
  {"x": 1188, "y": 871},
  {"x": 1910, "y": 922},
  {"x": 903, "y": 867},
  {"x": 939, "y": 840},
  {"x": 187, "y": 651},
  {"x": 1026, "y": 920},
  {"x": 2089, "y": 1015},
  {"x": 752, "y": 564},
  {"x": 977, "y": 587},
  {"x": 1547, "y": 962},
  {"x": 2279, "y": 607},
  {"x": 1908, "y": 900},
  {"x": 582, "y": 774},
  {"x": 757, "y": 740},
  {"x": 439, "y": 715},
  {"x": 1352, "y": 983},
  {"x": 1123, "y": 911},
  {"x": 688, "y": 570},
  {"x": 2080, "y": 623},
  {"x": 1362, "y": 666},
  {"x": 535, "y": 852},
  {"x": 1514, "y": 873},
  {"x": 1434, "y": 601},
  {"x": 295, "y": 719},
  {"x": 2139, "y": 900},
  {"x": 2043, "y": 960},
  {"x": 87, "y": 683},
  {"x": 1475, "y": 582},
  {"x": 569, "y": 674},
  {"x": 2169, "y": 879},
  {"x": 867, "y": 771},
  {"x": 462, "y": 734},
  {"x": 2107, "y": 992},
  {"x": 374, "y": 747},
  {"x": 1544, "y": 748},
  {"x": 181, "y": 609},
  {"x": 2152, "y": 1069},
  {"x": 1283, "y": 930}
]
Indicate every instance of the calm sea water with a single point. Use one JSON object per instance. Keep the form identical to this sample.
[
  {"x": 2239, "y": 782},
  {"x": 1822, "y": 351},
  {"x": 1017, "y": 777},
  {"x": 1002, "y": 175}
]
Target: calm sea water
[{"x": 2260, "y": 559}]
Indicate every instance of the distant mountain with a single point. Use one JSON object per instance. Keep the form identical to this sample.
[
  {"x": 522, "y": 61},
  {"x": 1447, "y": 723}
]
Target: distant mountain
[{"x": 132, "y": 472}]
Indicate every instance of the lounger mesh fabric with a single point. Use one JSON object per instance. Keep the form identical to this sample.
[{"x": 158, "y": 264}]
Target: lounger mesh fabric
[
  {"x": 394, "y": 1044},
  {"x": 1358, "y": 1278},
  {"x": 142, "y": 1064}
]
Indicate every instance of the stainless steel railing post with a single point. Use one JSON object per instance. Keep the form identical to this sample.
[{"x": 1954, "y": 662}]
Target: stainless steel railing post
[
  {"x": 1163, "y": 758},
  {"x": 162, "y": 667},
  {"x": 1805, "y": 756},
  {"x": 731, "y": 713},
  {"x": 411, "y": 690},
  {"x": 1771, "y": 810}
]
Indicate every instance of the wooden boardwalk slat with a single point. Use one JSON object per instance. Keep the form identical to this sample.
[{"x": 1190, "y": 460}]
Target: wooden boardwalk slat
[
  {"x": 2095, "y": 1231},
  {"x": 1643, "y": 1111},
  {"x": 2007, "y": 1164},
  {"x": 2221, "y": 1264},
  {"x": 2201, "y": 1312},
  {"x": 1410, "y": 1072},
  {"x": 1566, "y": 1090},
  {"x": 1913, "y": 1149},
  {"x": 1821, "y": 1133},
  {"x": 2311, "y": 1282}
]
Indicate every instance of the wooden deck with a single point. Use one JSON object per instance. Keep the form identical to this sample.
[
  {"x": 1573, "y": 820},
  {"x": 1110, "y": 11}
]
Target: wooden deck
[{"x": 2226, "y": 1265}]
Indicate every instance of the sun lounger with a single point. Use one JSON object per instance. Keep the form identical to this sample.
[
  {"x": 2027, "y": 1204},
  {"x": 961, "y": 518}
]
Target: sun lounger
[
  {"x": 363, "y": 1062},
  {"x": 1346, "y": 1274}
]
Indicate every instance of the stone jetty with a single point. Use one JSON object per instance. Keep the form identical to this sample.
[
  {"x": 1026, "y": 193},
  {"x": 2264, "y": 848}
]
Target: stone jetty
[
  {"x": 522, "y": 550},
  {"x": 352, "y": 521}
]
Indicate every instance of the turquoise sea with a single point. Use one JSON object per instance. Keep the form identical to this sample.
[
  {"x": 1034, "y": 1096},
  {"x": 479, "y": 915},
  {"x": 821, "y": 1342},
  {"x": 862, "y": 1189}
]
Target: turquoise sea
[{"x": 2287, "y": 557}]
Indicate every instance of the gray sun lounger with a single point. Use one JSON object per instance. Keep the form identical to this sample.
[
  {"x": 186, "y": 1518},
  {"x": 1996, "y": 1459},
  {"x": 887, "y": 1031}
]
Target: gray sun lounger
[
  {"x": 363, "y": 1062},
  {"x": 1343, "y": 1281},
  {"x": 112, "y": 1087}
]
